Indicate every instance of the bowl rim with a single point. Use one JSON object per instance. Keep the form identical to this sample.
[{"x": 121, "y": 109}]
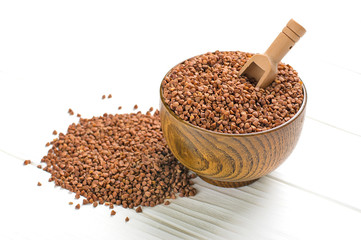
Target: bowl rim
[{"x": 299, "y": 112}]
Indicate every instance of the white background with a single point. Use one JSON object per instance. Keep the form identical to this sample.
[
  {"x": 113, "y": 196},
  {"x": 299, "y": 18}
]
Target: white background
[{"x": 56, "y": 55}]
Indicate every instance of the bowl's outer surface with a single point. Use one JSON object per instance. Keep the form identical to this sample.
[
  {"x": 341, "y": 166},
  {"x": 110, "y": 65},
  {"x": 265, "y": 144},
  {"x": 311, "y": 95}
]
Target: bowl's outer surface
[{"x": 230, "y": 160}]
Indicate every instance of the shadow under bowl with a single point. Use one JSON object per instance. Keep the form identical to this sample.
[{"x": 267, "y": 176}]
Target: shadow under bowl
[{"x": 230, "y": 160}]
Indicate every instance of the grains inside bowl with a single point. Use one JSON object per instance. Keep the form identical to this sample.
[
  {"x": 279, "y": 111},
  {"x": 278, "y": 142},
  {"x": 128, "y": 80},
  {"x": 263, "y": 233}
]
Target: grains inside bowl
[{"x": 208, "y": 92}]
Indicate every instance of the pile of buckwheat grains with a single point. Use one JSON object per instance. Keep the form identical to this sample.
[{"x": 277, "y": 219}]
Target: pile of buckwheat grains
[
  {"x": 119, "y": 159},
  {"x": 208, "y": 92}
]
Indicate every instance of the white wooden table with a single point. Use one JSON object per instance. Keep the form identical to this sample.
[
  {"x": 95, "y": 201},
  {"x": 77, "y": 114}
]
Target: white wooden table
[{"x": 67, "y": 54}]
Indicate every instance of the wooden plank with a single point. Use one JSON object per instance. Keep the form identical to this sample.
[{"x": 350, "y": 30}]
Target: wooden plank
[{"x": 280, "y": 210}]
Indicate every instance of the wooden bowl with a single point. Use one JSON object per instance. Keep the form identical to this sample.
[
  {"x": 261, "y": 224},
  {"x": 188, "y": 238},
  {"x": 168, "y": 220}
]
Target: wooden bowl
[{"x": 230, "y": 160}]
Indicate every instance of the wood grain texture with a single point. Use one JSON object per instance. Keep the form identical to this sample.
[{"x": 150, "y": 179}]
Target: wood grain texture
[{"x": 230, "y": 160}]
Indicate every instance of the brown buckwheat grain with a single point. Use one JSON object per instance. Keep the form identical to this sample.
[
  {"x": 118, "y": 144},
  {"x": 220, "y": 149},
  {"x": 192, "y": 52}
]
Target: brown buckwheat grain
[
  {"x": 119, "y": 159},
  {"x": 208, "y": 92},
  {"x": 139, "y": 209},
  {"x": 27, "y": 162}
]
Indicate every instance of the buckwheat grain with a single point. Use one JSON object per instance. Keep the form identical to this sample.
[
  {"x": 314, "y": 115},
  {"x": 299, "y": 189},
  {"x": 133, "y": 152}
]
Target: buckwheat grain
[{"x": 208, "y": 92}]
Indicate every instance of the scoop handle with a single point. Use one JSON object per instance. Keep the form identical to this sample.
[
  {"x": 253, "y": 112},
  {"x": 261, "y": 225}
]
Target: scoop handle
[{"x": 285, "y": 41}]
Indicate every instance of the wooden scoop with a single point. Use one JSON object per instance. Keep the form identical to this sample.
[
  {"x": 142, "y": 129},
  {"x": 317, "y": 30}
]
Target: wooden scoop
[{"x": 263, "y": 67}]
